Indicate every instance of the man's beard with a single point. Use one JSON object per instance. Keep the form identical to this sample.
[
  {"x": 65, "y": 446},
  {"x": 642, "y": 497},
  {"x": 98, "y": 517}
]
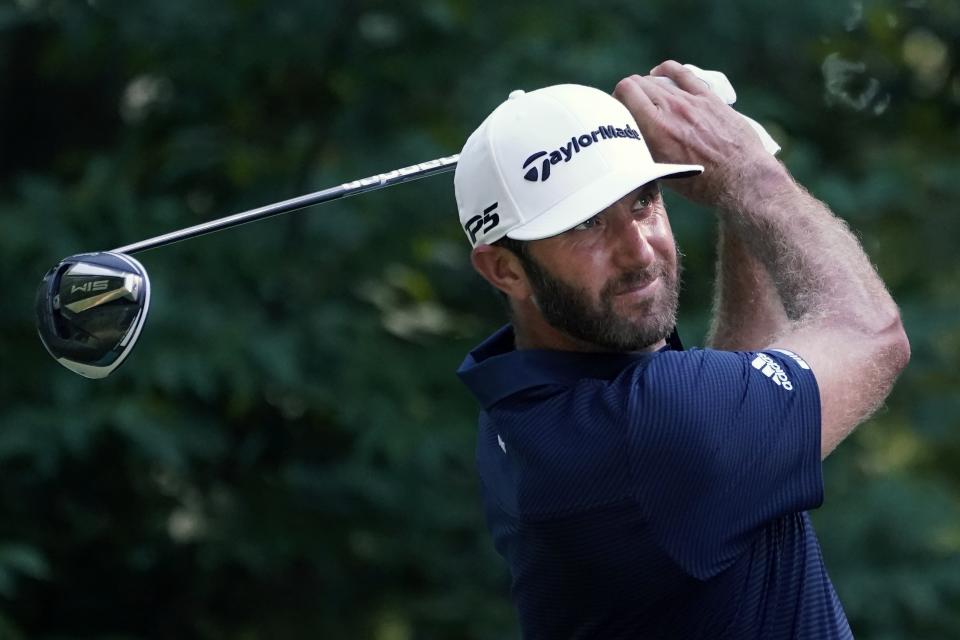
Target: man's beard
[{"x": 571, "y": 309}]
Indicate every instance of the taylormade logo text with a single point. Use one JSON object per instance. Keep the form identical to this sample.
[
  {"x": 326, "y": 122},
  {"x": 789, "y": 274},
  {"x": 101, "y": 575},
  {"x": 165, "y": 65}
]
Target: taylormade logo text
[{"x": 566, "y": 152}]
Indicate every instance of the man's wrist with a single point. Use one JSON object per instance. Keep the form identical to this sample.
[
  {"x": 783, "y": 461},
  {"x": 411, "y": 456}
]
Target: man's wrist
[{"x": 754, "y": 183}]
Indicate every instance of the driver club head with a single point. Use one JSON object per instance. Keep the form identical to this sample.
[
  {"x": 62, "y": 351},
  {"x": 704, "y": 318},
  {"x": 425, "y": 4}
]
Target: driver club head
[{"x": 90, "y": 310}]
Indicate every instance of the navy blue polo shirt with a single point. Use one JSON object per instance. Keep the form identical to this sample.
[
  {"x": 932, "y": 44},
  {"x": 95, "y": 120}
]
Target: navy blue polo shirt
[{"x": 658, "y": 495}]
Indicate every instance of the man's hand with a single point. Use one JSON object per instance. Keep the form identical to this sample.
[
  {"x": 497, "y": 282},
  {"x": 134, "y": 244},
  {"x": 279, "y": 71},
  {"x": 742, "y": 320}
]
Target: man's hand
[{"x": 689, "y": 124}]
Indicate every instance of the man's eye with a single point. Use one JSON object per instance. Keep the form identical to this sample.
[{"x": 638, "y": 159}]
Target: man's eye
[
  {"x": 642, "y": 203},
  {"x": 587, "y": 224}
]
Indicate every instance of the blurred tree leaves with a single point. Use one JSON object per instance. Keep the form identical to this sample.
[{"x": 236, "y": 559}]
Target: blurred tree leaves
[{"x": 288, "y": 453}]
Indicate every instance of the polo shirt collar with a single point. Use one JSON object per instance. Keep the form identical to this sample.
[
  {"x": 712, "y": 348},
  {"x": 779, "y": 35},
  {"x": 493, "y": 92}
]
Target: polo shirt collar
[{"x": 496, "y": 369}]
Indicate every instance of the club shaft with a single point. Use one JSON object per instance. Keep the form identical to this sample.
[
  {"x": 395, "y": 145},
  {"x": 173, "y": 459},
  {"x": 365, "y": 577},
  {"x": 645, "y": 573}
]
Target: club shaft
[{"x": 406, "y": 174}]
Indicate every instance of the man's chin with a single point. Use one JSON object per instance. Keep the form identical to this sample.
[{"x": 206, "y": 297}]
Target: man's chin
[
  {"x": 643, "y": 340},
  {"x": 618, "y": 335},
  {"x": 640, "y": 325},
  {"x": 621, "y": 318},
  {"x": 642, "y": 309}
]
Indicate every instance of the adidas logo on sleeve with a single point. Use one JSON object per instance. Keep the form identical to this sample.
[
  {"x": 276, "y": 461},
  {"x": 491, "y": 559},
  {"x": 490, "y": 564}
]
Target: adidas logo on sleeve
[{"x": 769, "y": 367}]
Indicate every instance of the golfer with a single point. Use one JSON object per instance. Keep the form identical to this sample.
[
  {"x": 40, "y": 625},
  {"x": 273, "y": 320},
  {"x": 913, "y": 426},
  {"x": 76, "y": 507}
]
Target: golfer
[{"x": 637, "y": 490}]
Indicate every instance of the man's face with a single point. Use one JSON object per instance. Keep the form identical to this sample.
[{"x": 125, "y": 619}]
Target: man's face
[{"x": 612, "y": 281}]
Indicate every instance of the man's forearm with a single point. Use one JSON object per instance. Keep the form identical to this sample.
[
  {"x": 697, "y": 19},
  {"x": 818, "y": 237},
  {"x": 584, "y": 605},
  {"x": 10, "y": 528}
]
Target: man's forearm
[
  {"x": 747, "y": 312},
  {"x": 816, "y": 265}
]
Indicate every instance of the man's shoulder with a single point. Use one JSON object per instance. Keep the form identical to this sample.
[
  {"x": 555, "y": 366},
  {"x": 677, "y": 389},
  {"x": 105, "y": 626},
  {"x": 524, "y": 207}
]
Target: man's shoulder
[
  {"x": 540, "y": 445},
  {"x": 497, "y": 372}
]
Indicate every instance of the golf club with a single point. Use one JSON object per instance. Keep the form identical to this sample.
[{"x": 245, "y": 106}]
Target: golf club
[{"x": 91, "y": 306}]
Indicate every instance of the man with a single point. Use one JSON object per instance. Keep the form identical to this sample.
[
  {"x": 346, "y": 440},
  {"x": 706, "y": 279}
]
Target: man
[{"x": 637, "y": 490}]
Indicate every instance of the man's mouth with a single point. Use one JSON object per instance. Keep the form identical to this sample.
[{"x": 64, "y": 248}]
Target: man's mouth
[{"x": 638, "y": 288}]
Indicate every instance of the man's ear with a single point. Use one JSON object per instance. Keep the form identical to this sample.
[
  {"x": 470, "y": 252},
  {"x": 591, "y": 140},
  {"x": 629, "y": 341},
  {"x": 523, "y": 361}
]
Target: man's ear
[{"x": 501, "y": 268}]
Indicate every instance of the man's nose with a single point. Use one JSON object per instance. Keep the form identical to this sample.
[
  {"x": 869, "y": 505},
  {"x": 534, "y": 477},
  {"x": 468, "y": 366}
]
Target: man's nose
[{"x": 633, "y": 248}]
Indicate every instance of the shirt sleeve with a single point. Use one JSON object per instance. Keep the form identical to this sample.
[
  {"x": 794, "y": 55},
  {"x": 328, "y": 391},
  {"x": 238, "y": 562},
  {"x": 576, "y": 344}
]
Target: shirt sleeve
[{"x": 721, "y": 444}]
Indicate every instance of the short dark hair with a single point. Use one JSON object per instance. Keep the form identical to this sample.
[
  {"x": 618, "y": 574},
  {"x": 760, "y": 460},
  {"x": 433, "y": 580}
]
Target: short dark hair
[{"x": 516, "y": 247}]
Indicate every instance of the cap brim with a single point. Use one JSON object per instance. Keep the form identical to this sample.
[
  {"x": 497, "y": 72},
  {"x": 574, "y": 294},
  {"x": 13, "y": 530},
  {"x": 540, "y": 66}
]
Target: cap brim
[{"x": 596, "y": 197}]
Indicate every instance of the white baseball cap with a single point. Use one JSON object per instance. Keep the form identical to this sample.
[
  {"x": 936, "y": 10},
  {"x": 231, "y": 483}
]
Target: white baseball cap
[{"x": 545, "y": 161}]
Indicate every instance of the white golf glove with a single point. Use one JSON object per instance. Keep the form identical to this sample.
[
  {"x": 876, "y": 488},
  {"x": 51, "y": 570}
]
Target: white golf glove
[{"x": 720, "y": 85}]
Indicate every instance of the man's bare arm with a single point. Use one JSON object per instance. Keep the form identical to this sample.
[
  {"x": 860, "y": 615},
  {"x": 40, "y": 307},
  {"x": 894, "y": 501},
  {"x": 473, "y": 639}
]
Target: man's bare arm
[
  {"x": 747, "y": 312},
  {"x": 842, "y": 320}
]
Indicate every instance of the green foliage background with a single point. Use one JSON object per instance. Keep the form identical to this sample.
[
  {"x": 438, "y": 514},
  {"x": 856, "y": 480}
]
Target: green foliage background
[{"x": 288, "y": 454}]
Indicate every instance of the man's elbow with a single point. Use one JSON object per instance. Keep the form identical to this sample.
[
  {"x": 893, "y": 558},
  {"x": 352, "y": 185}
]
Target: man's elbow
[{"x": 895, "y": 346}]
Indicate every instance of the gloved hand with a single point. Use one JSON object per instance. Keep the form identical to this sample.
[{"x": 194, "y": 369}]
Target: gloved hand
[
  {"x": 718, "y": 83},
  {"x": 685, "y": 118}
]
